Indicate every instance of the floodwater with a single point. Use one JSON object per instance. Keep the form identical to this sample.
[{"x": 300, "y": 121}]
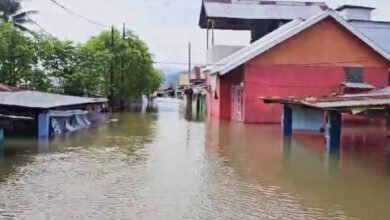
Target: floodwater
[{"x": 159, "y": 165}]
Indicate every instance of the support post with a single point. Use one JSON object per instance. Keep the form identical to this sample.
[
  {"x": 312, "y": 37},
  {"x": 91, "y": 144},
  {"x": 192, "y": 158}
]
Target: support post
[
  {"x": 1, "y": 135},
  {"x": 43, "y": 125},
  {"x": 287, "y": 121},
  {"x": 207, "y": 36},
  {"x": 212, "y": 32},
  {"x": 333, "y": 134},
  {"x": 1, "y": 144}
]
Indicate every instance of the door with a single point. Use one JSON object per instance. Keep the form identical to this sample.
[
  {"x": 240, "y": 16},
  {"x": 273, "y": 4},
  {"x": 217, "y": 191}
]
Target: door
[{"x": 237, "y": 108}]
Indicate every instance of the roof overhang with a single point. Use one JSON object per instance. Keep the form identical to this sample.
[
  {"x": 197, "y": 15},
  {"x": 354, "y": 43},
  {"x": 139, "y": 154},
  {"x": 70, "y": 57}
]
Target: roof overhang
[{"x": 282, "y": 34}]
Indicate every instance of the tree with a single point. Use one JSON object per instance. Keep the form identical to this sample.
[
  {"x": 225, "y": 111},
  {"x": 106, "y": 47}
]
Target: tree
[
  {"x": 16, "y": 54},
  {"x": 11, "y": 11},
  {"x": 50, "y": 64},
  {"x": 132, "y": 64},
  {"x": 77, "y": 69}
]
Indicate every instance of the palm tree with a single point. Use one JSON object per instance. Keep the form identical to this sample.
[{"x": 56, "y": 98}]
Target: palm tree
[{"x": 11, "y": 11}]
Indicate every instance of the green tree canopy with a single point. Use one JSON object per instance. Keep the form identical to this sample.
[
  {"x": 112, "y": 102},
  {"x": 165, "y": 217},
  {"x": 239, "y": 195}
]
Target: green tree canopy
[
  {"x": 16, "y": 54},
  {"x": 131, "y": 63},
  {"x": 50, "y": 64}
]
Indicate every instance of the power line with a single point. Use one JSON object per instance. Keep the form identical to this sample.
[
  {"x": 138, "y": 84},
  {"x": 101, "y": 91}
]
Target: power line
[
  {"x": 40, "y": 27},
  {"x": 77, "y": 15}
]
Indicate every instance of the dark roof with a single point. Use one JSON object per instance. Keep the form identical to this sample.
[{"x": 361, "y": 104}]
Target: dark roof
[
  {"x": 238, "y": 15},
  {"x": 354, "y": 7}
]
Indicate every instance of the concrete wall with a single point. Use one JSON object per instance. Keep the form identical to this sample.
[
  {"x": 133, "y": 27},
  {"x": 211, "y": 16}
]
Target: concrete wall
[{"x": 218, "y": 52}]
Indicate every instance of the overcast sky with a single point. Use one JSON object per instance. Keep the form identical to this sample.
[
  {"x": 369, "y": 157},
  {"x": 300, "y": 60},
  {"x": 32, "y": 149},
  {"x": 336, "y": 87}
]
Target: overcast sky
[{"x": 166, "y": 25}]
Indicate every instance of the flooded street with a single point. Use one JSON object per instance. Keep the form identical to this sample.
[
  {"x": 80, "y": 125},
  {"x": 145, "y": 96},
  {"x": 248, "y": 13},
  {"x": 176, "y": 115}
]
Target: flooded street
[{"x": 161, "y": 166}]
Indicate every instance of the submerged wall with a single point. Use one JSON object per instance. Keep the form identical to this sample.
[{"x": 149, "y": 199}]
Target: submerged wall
[{"x": 295, "y": 81}]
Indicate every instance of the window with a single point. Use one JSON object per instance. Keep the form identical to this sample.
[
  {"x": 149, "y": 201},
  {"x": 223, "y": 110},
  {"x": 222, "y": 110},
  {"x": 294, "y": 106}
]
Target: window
[{"x": 354, "y": 74}]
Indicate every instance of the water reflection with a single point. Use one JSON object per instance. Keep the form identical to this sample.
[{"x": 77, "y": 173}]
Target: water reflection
[
  {"x": 352, "y": 182},
  {"x": 159, "y": 165}
]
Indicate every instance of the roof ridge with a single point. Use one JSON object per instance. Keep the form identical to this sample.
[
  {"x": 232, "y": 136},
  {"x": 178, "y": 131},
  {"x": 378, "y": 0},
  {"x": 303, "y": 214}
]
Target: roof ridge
[{"x": 283, "y": 33}]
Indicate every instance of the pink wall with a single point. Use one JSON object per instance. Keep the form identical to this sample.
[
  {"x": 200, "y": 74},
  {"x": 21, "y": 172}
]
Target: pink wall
[
  {"x": 300, "y": 81},
  {"x": 221, "y": 107}
]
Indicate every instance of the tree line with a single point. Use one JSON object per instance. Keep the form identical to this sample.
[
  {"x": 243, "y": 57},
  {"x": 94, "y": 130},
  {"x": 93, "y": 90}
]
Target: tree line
[{"x": 112, "y": 64}]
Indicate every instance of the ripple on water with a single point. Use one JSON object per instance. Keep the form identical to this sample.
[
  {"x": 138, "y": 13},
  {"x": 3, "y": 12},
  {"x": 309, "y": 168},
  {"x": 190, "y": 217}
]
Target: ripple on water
[{"x": 130, "y": 174}]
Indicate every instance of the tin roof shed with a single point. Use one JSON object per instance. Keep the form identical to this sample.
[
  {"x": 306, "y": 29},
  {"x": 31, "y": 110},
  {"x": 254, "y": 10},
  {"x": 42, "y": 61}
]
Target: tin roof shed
[{"x": 42, "y": 100}]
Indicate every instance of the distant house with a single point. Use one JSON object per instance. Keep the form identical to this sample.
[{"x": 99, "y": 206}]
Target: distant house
[
  {"x": 184, "y": 80},
  {"x": 304, "y": 57}
]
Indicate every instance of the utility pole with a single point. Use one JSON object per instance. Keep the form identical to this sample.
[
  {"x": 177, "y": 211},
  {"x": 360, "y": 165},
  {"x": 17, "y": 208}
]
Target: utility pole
[
  {"x": 111, "y": 96},
  {"x": 189, "y": 92},
  {"x": 189, "y": 63}
]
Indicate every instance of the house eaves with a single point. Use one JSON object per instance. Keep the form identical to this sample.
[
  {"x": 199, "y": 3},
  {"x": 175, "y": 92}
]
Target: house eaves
[{"x": 282, "y": 34}]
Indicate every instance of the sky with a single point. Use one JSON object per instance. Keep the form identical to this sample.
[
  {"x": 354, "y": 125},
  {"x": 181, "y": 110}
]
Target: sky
[{"x": 165, "y": 25}]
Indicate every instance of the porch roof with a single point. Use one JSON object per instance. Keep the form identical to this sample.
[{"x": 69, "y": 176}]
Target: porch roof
[{"x": 376, "y": 98}]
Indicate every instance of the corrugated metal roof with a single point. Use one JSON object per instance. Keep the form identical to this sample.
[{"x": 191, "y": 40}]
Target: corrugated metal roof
[
  {"x": 377, "y": 31},
  {"x": 255, "y": 9},
  {"x": 280, "y": 35},
  {"x": 41, "y": 100},
  {"x": 358, "y": 85},
  {"x": 369, "y": 99}
]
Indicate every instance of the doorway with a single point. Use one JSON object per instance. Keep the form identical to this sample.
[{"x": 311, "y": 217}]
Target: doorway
[{"x": 238, "y": 102}]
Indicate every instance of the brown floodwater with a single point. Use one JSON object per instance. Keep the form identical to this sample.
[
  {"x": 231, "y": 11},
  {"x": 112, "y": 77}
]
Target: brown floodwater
[{"x": 158, "y": 165}]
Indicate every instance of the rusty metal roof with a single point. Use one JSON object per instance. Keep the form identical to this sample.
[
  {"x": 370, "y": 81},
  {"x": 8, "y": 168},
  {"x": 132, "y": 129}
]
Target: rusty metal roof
[
  {"x": 6, "y": 88},
  {"x": 370, "y": 99}
]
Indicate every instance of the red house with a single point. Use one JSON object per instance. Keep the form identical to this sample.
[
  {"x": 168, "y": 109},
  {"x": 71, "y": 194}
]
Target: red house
[{"x": 301, "y": 58}]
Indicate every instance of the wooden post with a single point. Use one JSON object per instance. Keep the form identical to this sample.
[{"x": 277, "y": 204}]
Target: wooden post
[
  {"x": 287, "y": 121},
  {"x": 333, "y": 134}
]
